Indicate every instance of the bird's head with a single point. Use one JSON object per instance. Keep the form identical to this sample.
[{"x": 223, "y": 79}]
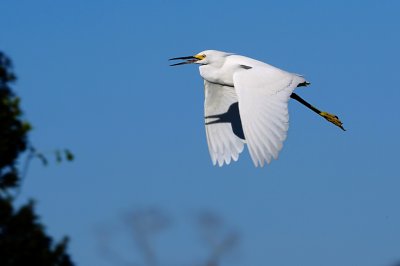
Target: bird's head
[{"x": 203, "y": 58}]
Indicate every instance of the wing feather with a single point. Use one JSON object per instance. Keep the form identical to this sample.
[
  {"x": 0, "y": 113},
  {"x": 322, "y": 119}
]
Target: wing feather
[
  {"x": 223, "y": 144},
  {"x": 263, "y": 94}
]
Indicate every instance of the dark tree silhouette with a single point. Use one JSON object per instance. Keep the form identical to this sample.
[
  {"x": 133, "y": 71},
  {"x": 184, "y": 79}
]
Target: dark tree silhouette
[{"x": 23, "y": 240}]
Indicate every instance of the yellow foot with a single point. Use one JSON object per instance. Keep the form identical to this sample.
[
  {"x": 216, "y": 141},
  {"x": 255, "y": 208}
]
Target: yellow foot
[{"x": 333, "y": 119}]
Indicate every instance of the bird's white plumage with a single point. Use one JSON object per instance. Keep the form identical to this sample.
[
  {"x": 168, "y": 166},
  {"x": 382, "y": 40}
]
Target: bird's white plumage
[
  {"x": 263, "y": 95},
  {"x": 262, "y": 92},
  {"x": 223, "y": 144}
]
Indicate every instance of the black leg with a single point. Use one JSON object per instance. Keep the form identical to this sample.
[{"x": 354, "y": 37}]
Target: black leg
[{"x": 330, "y": 117}]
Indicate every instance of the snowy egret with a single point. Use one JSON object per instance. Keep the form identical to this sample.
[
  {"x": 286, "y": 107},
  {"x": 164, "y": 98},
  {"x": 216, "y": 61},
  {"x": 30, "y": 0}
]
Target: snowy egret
[{"x": 246, "y": 102}]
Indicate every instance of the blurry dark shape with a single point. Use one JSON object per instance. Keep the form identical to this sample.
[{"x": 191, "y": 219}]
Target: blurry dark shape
[
  {"x": 23, "y": 240},
  {"x": 63, "y": 155},
  {"x": 220, "y": 240},
  {"x": 396, "y": 264},
  {"x": 69, "y": 156},
  {"x": 145, "y": 224},
  {"x": 105, "y": 238}
]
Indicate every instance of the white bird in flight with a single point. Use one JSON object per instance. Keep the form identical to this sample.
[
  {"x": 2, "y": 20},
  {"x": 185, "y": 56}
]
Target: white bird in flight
[{"x": 246, "y": 102}]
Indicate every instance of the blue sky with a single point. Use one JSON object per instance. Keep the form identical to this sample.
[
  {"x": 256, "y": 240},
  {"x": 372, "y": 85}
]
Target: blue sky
[{"x": 94, "y": 77}]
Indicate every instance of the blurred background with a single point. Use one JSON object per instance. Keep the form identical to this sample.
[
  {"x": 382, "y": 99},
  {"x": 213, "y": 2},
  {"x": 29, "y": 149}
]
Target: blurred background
[{"x": 93, "y": 77}]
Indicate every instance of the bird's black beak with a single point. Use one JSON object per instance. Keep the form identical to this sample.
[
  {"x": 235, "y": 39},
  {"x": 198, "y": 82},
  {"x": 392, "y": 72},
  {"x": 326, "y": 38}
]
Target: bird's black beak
[{"x": 189, "y": 60}]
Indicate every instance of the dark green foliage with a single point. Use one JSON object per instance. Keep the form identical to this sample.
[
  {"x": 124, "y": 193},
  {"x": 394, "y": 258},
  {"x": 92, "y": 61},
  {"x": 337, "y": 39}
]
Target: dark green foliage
[
  {"x": 23, "y": 240},
  {"x": 64, "y": 154},
  {"x": 13, "y": 128},
  {"x": 8, "y": 180}
]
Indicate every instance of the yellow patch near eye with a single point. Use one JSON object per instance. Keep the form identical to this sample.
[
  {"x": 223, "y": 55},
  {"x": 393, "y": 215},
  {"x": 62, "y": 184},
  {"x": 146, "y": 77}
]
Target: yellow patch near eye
[{"x": 200, "y": 56}]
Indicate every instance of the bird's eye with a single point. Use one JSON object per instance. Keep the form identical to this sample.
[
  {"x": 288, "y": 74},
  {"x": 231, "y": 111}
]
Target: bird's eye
[{"x": 204, "y": 56}]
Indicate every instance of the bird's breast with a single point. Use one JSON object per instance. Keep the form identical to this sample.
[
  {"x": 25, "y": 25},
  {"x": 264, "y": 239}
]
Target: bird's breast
[{"x": 221, "y": 76}]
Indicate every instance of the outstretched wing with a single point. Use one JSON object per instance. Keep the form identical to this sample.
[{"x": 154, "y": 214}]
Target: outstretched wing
[
  {"x": 222, "y": 121},
  {"x": 263, "y": 94}
]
